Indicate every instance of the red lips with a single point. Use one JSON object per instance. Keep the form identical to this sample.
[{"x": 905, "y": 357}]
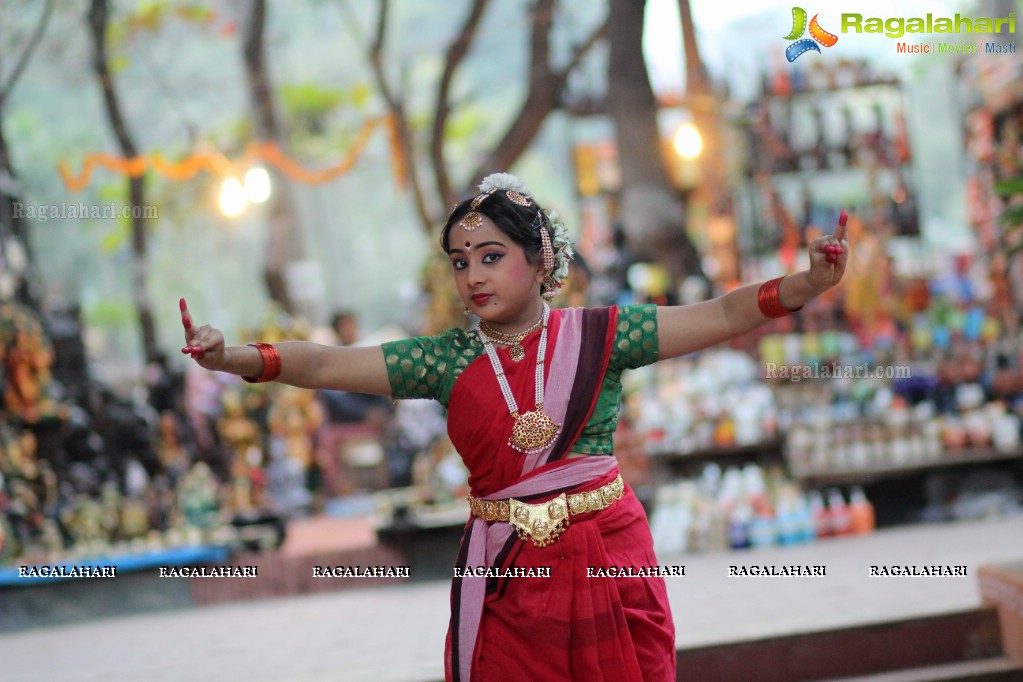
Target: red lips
[{"x": 480, "y": 299}]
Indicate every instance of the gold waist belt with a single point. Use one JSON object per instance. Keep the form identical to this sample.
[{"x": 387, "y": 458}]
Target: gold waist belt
[{"x": 544, "y": 522}]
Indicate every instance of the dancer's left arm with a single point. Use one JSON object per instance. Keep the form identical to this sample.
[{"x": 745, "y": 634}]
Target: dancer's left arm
[{"x": 688, "y": 328}]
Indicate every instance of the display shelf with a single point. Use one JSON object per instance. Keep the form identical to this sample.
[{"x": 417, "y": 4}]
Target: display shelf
[
  {"x": 835, "y": 89},
  {"x": 861, "y": 476},
  {"x": 680, "y": 463},
  {"x": 841, "y": 142}
]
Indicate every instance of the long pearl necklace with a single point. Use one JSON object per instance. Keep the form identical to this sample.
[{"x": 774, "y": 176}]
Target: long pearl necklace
[{"x": 533, "y": 431}]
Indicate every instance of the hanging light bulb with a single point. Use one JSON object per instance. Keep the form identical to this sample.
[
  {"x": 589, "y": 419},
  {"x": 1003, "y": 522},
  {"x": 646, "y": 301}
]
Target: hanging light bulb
[
  {"x": 257, "y": 185},
  {"x": 688, "y": 142},
  {"x": 232, "y": 198}
]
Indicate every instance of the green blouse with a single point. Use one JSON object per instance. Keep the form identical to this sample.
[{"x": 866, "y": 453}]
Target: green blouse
[{"x": 428, "y": 366}]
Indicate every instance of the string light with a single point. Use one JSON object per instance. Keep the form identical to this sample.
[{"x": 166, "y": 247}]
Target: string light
[
  {"x": 257, "y": 185},
  {"x": 688, "y": 142},
  {"x": 232, "y": 197}
]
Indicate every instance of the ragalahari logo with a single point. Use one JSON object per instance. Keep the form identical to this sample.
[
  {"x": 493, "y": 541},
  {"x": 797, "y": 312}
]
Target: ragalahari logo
[{"x": 817, "y": 35}]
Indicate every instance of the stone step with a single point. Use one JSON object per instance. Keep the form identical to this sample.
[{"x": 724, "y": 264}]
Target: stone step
[
  {"x": 998, "y": 669},
  {"x": 953, "y": 638}
]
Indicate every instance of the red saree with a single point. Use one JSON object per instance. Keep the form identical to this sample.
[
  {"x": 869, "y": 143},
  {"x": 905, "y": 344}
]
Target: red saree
[{"x": 566, "y": 626}]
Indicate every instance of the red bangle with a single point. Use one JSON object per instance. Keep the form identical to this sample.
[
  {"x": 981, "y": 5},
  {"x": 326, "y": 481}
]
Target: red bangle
[
  {"x": 769, "y": 301},
  {"x": 271, "y": 363}
]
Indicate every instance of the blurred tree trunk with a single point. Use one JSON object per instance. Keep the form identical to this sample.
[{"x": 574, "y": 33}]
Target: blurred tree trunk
[
  {"x": 396, "y": 105},
  {"x": 285, "y": 244},
  {"x": 543, "y": 95},
  {"x": 13, "y": 225},
  {"x": 13, "y": 228},
  {"x": 98, "y": 22},
  {"x": 651, "y": 210}
]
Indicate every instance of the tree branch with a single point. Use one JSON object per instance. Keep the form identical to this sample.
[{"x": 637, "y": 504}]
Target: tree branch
[
  {"x": 395, "y": 105},
  {"x": 98, "y": 21},
  {"x": 456, "y": 53},
  {"x": 545, "y": 90},
  {"x": 253, "y": 50},
  {"x": 26, "y": 54}
]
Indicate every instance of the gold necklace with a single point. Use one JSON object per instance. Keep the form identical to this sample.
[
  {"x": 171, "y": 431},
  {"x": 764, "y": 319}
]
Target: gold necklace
[
  {"x": 513, "y": 340},
  {"x": 534, "y": 430}
]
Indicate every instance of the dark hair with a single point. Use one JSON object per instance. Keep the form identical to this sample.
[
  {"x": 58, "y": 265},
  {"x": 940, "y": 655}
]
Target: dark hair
[
  {"x": 342, "y": 315},
  {"x": 517, "y": 221}
]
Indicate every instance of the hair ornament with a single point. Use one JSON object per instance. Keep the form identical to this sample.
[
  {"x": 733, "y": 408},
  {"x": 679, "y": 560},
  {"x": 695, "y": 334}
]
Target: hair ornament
[
  {"x": 518, "y": 198},
  {"x": 555, "y": 246},
  {"x": 563, "y": 254},
  {"x": 506, "y": 182}
]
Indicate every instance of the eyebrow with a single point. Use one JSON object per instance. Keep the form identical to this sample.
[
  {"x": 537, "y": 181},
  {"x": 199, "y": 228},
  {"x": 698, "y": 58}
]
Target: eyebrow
[{"x": 479, "y": 246}]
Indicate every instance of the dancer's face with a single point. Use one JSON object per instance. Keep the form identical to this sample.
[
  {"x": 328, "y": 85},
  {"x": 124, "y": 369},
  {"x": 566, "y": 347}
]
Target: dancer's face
[{"x": 493, "y": 277}]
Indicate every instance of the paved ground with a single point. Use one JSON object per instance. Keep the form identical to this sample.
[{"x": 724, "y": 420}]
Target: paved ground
[{"x": 395, "y": 634}]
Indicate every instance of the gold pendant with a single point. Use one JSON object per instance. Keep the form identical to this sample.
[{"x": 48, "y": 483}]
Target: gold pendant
[
  {"x": 517, "y": 352},
  {"x": 533, "y": 431}
]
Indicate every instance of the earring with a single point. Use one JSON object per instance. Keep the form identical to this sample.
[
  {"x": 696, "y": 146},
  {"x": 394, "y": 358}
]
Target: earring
[{"x": 465, "y": 309}]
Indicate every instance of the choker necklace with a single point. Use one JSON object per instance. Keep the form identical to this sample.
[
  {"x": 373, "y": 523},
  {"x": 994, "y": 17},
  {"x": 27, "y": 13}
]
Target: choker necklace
[
  {"x": 533, "y": 431},
  {"x": 513, "y": 340}
]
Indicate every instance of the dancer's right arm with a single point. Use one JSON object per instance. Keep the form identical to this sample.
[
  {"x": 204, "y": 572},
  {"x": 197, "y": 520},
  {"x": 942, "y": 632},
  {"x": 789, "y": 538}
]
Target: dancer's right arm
[{"x": 303, "y": 363}]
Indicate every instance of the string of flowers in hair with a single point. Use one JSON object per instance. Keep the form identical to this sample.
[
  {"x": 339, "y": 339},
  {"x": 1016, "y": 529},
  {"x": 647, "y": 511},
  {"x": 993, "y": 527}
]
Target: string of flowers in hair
[{"x": 560, "y": 244}]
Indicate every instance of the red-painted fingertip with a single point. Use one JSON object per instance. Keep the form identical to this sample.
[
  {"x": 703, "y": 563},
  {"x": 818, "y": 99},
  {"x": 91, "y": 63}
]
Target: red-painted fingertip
[
  {"x": 181, "y": 304},
  {"x": 843, "y": 218},
  {"x": 185, "y": 351}
]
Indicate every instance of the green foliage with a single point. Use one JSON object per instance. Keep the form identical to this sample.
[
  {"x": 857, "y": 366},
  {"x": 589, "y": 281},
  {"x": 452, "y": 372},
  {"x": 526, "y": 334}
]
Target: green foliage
[
  {"x": 152, "y": 15},
  {"x": 309, "y": 99},
  {"x": 108, "y": 312},
  {"x": 309, "y": 106},
  {"x": 322, "y": 120}
]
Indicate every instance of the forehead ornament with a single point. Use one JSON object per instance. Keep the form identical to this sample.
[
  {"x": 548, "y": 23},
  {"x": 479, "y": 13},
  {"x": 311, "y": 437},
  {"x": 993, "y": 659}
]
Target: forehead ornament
[{"x": 473, "y": 219}]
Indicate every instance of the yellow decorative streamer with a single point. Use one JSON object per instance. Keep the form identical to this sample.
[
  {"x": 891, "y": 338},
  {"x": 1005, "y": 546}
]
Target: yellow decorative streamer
[{"x": 216, "y": 163}]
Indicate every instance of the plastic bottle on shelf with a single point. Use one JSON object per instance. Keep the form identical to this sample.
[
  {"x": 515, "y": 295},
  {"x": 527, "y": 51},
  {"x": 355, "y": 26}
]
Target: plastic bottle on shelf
[
  {"x": 700, "y": 528},
  {"x": 754, "y": 486},
  {"x": 717, "y": 528},
  {"x": 838, "y": 513},
  {"x": 861, "y": 512},
  {"x": 792, "y": 519},
  {"x": 819, "y": 514},
  {"x": 669, "y": 522},
  {"x": 1006, "y": 430},
  {"x": 806, "y": 528},
  {"x": 763, "y": 530},
  {"x": 739, "y": 524}
]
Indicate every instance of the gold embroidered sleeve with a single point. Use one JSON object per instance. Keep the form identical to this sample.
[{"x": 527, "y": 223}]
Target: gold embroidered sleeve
[
  {"x": 427, "y": 366},
  {"x": 635, "y": 342}
]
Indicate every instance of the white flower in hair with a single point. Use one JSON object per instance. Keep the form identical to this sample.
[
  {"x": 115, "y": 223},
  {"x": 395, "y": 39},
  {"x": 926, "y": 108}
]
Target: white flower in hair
[
  {"x": 562, "y": 246},
  {"x": 506, "y": 182}
]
